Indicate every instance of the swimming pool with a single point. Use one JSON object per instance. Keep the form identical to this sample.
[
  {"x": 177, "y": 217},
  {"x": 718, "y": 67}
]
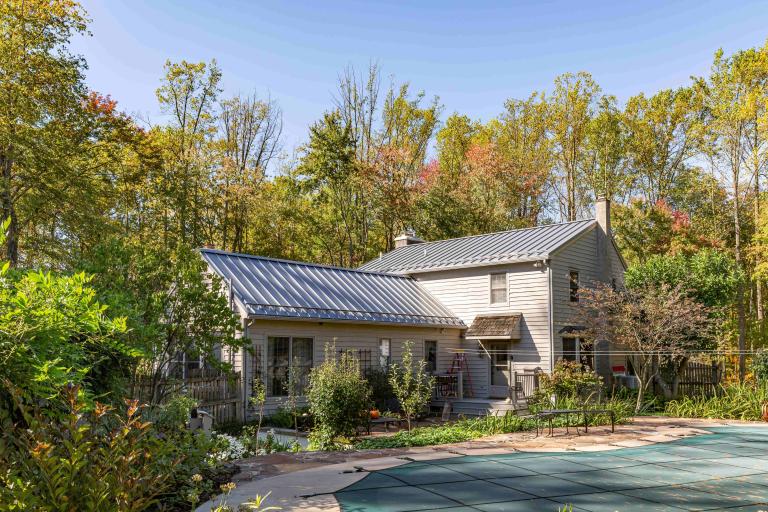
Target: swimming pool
[{"x": 725, "y": 470}]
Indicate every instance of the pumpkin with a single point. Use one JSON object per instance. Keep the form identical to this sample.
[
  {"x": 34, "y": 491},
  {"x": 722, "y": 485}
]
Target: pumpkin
[
  {"x": 375, "y": 414},
  {"x": 765, "y": 411}
]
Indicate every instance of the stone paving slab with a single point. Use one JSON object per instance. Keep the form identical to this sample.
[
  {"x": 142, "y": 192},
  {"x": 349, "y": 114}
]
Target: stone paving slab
[{"x": 294, "y": 482}]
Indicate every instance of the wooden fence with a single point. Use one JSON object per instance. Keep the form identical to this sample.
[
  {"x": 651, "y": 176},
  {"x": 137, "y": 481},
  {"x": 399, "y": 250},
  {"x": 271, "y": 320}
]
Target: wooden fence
[
  {"x": 216, "y": 393},
  {"x": 700, "y": 379},
  {"x": 697, "y": 379}
]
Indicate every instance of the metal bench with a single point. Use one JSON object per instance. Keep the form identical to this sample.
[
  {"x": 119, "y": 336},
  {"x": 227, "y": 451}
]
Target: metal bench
[
  {"x": 384, "y": 420},
  {"x": 550, "y": 414}
]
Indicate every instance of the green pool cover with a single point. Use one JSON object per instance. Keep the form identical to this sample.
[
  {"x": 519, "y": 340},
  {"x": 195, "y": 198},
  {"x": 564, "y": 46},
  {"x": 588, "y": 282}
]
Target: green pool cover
[{"x": 727, "y": 470}]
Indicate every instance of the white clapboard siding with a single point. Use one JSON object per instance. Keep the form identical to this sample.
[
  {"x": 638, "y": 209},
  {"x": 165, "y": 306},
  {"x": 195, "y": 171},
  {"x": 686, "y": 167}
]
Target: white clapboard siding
[
  {"x": 352, "y": 336},
  {"x": 579, "y": 255},
  {"x": 466, "y": 293}
]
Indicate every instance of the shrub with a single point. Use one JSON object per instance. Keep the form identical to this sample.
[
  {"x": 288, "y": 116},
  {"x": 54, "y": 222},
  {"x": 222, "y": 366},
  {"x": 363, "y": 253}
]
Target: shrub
[
  {"x": 382, "y": 394},
  {"x": 172, "y": 416},
  {"x": 732, "y": 402},
  {"x": 568, "y": 380},
  {"x": 77, "y": 460},
  {"x": 411, "y": 383},
  {"x": 760, "y": 366},
  {"x": 339, "y": 399},
  {"x": 227, "y": 447}
]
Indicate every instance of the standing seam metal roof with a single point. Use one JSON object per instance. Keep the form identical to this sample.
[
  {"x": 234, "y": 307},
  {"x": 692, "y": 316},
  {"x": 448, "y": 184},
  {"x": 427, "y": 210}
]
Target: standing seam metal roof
[
  {"x": 281, "y": 288},
  {"x": 493, "y": 248}
]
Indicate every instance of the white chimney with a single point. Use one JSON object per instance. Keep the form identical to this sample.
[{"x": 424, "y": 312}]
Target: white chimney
[
  {"x": 407, "y": 237},
  {"x": 603, "y": 218},
  {"x": 603, "y": 215}
]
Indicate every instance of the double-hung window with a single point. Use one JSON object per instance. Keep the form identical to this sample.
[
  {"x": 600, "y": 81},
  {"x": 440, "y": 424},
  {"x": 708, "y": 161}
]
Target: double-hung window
[
  {"x": 385, "y": 352},
  {"x": 499, "y": 288},
  {"x": 578, "y": 349},
  {"x": 573, "y": 286},
  {"x": 289, "y": 361}
]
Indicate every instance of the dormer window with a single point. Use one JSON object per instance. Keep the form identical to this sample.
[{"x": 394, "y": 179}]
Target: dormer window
[{"x": 499, "y": 288}]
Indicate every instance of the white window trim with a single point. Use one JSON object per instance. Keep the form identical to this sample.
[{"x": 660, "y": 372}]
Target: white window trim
[
  {"x": 506, "y": 288},
  {"x": 389, "y": 356}
]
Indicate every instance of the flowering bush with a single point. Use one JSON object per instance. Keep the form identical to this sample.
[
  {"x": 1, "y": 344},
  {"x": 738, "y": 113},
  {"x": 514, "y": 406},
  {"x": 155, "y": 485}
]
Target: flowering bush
[{"x": 227, "y": 447}]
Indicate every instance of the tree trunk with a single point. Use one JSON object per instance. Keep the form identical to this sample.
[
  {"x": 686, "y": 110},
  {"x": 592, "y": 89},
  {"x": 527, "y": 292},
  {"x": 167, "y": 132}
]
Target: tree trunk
[
  {"x": 756, "y": 213},
  {"x": 9, "y": 212},
  {"x": 742, "y": 321}
]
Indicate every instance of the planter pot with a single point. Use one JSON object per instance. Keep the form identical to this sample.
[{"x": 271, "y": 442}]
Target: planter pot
[{"x": 765, "y": 411}]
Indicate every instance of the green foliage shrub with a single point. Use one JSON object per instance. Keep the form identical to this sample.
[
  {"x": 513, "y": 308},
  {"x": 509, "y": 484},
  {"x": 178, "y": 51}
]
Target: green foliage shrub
[
  {"x": 569, "y": 380},
  {"x": 339, "y": 399},
  {"x": 710, "y": 276},
  {"x": 100, "y": 460},
  {"x": 411, "y": 383},
  {"x": 732, "y": 402},
  {"x": 54, "y": 332},
  {"x": 382, "y": 394},
  {"x": 760, "y": 366},
  {"x": 173, "y": 415}
]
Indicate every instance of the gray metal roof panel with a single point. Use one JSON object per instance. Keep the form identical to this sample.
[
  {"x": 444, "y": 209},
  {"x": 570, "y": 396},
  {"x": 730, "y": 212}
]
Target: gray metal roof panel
[
  {"x": 493, "y": 248},
  {"x": 280, "y": 288}
]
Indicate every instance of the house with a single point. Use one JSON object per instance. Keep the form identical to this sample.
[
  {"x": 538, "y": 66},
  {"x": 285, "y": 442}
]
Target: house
[{"x": 483, "y": 307}]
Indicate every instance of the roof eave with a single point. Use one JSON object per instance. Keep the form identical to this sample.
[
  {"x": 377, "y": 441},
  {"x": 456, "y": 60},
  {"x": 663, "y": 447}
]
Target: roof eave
[
  {"x": 286, "y": 318},
  {"x": 416, "y": 270}
]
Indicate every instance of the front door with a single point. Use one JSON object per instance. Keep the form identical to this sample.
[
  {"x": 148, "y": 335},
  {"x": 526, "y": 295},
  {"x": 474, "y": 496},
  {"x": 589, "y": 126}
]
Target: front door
[{"x": 501, "y": 365}]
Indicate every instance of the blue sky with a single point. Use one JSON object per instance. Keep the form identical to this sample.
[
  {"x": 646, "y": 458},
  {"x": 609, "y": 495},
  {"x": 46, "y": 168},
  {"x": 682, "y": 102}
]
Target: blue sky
[{"x": 472, "y": 54}]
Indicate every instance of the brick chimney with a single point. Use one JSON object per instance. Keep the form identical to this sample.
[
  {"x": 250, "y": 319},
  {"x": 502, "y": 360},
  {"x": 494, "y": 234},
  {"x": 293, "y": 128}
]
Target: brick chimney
[{"x": 407, "y": 237}]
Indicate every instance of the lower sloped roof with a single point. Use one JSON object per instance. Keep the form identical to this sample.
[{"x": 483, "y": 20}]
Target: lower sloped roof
[{"x": 276, "y": 288}]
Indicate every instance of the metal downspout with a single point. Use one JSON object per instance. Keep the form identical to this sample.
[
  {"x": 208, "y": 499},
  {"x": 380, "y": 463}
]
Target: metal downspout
[
  {"x": 551, "y": 308},
  {"x": 244, "y": 376}
]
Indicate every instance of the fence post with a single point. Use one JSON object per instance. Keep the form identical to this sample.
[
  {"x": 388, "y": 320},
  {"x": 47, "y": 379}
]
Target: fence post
[{"x": 460, "y": 385}]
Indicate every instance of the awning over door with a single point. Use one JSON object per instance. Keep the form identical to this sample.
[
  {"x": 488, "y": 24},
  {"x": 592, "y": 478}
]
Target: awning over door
[{"x": 495, "y": 326}]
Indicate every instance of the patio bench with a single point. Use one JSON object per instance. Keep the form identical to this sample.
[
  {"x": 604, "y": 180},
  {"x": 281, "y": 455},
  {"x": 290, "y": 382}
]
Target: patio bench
[
  {"x": 384, "y": 420},
  {"x": 550, "y": 414}
]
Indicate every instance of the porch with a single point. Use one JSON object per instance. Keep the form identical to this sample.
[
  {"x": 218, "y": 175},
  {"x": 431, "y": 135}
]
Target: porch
[{"x": 449, "y": 395}]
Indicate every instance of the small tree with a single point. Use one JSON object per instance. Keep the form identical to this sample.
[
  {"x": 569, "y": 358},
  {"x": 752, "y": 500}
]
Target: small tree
[
  {"x": 411, "y": 383},
  {"x": 655, "y": 324},
  {"x": 339, "y": 398},
  {"x": 293, "y": 389},
  {"x": 257, "y": 401}
]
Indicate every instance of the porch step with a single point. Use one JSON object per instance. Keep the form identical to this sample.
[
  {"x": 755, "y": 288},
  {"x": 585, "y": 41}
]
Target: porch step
[{"x": 483, "y": 407}]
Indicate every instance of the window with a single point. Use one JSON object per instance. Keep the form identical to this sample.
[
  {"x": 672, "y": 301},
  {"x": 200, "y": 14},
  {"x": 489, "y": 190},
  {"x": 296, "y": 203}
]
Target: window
[
  {"x": 573, "y": 285},
  {"x": 498, "y": 288},
  {"x": 430, "y": 355},
  {"x": 184, "y": 365},
  {"x": 579, "y": 349},
  {"x": 385, "y": 352},
  {"x": 281, "y": 351}
]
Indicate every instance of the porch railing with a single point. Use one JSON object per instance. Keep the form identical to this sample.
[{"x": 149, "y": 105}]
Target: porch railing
[
  {"x": 526, "y": 383},
  {"x": 448, "y": 385}
]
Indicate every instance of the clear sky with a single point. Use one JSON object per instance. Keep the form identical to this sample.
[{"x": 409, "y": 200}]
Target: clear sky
[{"x": 472, "y": 54}]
